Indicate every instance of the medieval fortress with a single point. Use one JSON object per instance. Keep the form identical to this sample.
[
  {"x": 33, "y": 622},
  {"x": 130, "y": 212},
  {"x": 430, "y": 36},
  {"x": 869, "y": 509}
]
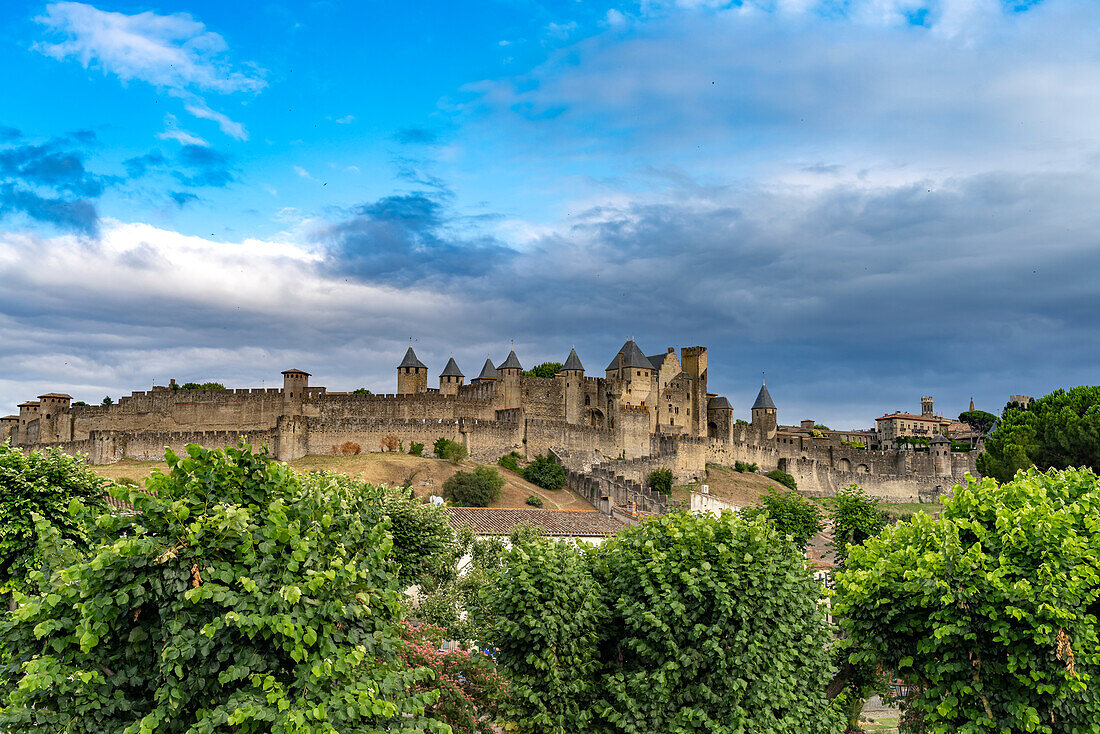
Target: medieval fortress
[{"x": 645, "y": 412}]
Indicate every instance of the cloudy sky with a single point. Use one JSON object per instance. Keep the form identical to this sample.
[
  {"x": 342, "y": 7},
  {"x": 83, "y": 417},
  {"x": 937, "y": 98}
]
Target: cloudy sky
[{"x": 870, "y": 200}]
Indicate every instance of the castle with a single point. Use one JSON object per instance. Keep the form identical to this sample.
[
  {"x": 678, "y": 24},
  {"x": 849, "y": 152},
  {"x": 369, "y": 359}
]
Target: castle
[{"x": 609, "y": 432}]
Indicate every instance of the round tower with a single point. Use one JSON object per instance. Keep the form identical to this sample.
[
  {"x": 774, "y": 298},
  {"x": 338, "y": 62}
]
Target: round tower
[
  {"x": 295, "y": 385},
  {"x": 940, "y": 448},
  {"x": 573, "y": 374},
  {"x": 412, "y": 375},
  {"x": 510, "y": 371},
  {"x": 451, "y": 378},
  {"x": 765, "y": 417}
]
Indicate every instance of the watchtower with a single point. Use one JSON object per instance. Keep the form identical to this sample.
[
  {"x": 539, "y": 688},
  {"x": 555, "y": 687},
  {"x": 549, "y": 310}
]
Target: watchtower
[
  {"x": 451, "y": 378},
  {"x": 412, "y": 375},
  {"x": 295, "y": 385},
  {"x": 573, "y": 374},
  {"x": 765, "y": 417},
  {"x": 510, "y": 371}
]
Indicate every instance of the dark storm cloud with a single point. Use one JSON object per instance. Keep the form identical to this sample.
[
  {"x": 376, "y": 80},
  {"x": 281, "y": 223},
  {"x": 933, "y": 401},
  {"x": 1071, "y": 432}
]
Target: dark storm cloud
[{"x": 407, "y": 237}]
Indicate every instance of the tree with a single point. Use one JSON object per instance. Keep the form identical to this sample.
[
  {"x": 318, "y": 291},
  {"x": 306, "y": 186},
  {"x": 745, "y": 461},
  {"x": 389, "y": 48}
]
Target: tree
[
  {"x": 792, "y": 515},
  {"x": 856, "y": 517},
  {"x": 361, "y": 391},
  {"x": 979, "y": 420},
  {"x": 45, "y": 484},
  {"x": 821, "y": 427},
  {"x": 546, "y": 369},
  {"x": 783, "y": 478},
  {"x": 202, "y": 386},
  {"x": 452, "y": 451},
  {"x": 989, "y": 609},
  {"x": 545, "y": 472},
  {"x": 541, "y": 615},
  {"x": 1056, "y": 431},
  {"x": 660, "y": 480},
  {"x": 477, "y": 488},
  {"x": 235, "y": 599},
  {"x": 107, "y": 400}
]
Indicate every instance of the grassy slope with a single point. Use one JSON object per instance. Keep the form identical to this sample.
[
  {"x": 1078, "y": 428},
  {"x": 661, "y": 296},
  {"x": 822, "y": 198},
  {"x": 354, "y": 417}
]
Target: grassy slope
[
  {"x": 740, "y": 489},
  {"x": 391, "y": 469}
]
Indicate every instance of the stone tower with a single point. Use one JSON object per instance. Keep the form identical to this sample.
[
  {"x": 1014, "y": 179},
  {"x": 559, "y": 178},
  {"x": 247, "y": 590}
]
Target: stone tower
[
  {"x": 940, "y": 448},
  {"x": 926, "y": 406},
  {"x": 49, "y": 422},
  {"x": 719, "y": 418},
  {"x": 451, "y": 378},
  {"x": 412, "y": 375},
  {"x": 693, "y": 360},
  {"x": 510, "y": 371},
  {"x": 28, "y": 412},
  {"x": 295, "y": 384},
  {"x": 765, "y": 418},
  {"x": 573, "y": 374}
]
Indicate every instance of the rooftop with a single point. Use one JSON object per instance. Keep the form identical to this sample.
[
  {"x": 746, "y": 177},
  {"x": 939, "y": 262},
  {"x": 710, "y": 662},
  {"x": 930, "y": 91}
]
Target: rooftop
[
  {"x": 410, "y": 360},
  {"x": 61, "y": 395},
  {"x": 512, "y": 363},
  {"x": 573, "y": 362},
  {"x": 297, "y": 372},
  {"x": 554, "y": 523},
  {"x": 451, "y": 370},
  {"x": 488, "y": 372},
  {"x": 763, "y": 400},
  {"x": 911, "y": 417}
]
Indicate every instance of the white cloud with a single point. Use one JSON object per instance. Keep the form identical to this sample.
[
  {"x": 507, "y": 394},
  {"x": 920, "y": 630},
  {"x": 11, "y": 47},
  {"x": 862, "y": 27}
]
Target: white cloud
[
  {"x": 172, "y": 131},
  {"x": 345, "y": 120},
  {"x": 171, "y": 52},
  {"x": 303, "y": 173}
]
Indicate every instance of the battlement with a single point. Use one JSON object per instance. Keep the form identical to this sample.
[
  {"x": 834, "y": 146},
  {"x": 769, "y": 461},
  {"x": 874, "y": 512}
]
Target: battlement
[
  {"x": 692, "y": 351},
  {"x": 634, "y": 409}
]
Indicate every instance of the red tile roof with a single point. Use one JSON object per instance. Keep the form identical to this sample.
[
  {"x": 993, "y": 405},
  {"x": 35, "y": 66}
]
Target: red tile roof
[
  {"x": 911, "y": 417},
  {"x": 56, "y": 395},
  {"x": 560, "y": 523}
]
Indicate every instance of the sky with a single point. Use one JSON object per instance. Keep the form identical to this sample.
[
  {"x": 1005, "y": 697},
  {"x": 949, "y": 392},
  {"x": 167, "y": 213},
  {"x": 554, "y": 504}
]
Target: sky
[{"x": 866, "y": 201}]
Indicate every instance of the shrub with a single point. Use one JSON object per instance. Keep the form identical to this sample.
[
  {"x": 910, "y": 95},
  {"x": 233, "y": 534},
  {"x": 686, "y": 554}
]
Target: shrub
[
  {"x": 233, "y": 587},
  {"x": 544, "y": 472},
  {"x": 546, "y": 369},
  {"x": 660, "y": 480},
  {"x": 744, "y": 466},
  {"x": 534, "y": 500},
  {"x": 389, "y": 443},
  {"x": 360, "y": 391},
  {"x": 475, "y": 488},
  {"x": 783, "y": 478},
  {"x": 416, "y": 448},
  {"x": 791, "y": 514},
  {"x": 990, "y": 607},
  {"x": 202, "y": 386},
  {"x": 452, "y": 451},
  {"x": 79, "y": 404},
  {"x": 127, "y": 481},
  {"x": 510, "y": 461},
  {"x": 107, "y": 400},
  {"x": 350, "y": 447}
]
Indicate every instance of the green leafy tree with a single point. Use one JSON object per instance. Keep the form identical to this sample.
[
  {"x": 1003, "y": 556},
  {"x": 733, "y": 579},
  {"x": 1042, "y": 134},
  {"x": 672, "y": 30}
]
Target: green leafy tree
[
  {"x": 546, "y": 369},
  {"x": 202, "y": 386},
  {"x": 46, "y": 484},
  {"x": 452, "y": 451},
  {"x": 783, "y": 478},
  {"x": 361, "y": 391},
  {"x": 456, "y": 605},
  {"x": 545, "y": 472},
  {"x": 477, "y": 488},
  {"x": 416, "y": 448},
  {"x": 822, "y": 427},
  {"x": 510, "y": 461},
  {"x": 989, "y": 609},
  {"x": 234, "y": 600},
  {"x": 792, "y": 515},
  {"x": 1057, "y": 431},
  {"x": 660, "y": 480},
  {"x": 979, "y": 420},
  {"x": 541, "y": 615},
  {"x": 856, "y": 517},
  {"x": 107, "y": 400}
]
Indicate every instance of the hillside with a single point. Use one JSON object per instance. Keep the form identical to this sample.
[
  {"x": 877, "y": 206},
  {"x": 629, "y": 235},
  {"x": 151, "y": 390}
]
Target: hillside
[
  {"x": 737, "y": 488},
  {"x": 392, "y": 469}
]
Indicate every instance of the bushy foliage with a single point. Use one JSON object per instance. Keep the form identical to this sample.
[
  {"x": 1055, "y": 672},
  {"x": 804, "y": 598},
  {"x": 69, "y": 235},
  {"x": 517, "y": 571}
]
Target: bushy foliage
[
  {"x": 107, "y": 400},
  {"x": 350, "y": 448},
  {"x": 1057, "y": 431},
  {"x": 856, "y": 517},
  {"x": 477, "y": 488},
  {"x": 821, "y": 427},
  {"x": 452, "y": 451},
  {"x": 664, "y": 629},
  {"x": 545, "y": 472},
  {"x": 455, "y": 604},
  {"x": 534, "y": 500},
  {"x": 235, "y": 599},
  {"x": 389, "y": 442},
  {"x": 510, "y": 461},
  {"x": 361, "y": 391},
  {"x": 792, "y": 515},
  {"x": 744, "y": 466},
  {"x": 660, "y": 480},
  {"x": 979, "y": 420},
  {"x": 416, "y": 448},
  {"x": 546, "y": 369},
  {"x": 467, "y": 684},
  {"x": 44, "y": 483},
  {"x": 990, "y": 608},
  {"x": 541, "y": 615},
  {"x": 202, "y": 386},
  {"x": 783, "y": 478}
]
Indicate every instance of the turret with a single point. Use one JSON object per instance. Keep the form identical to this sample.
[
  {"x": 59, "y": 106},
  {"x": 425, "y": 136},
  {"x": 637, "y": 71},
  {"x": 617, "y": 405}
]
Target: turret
[
  {"x": 693, "y": 360},
  {"x": 488, "y": 372},
  {"x": 940, "y": 448},
  {"x": 451, "y": 378},
  {"x": 510, "y": 371},
  {"x": 765, "y": 417},
  {"x": 719, "y": 418},
  {"x": 9, "y": 424},
  {"x": 412, "y": 375},
  {"x": 295, "y": 385},
  {"x": 28, "y": 414},
  {"x": 50, "y": 406},
  {"x": 573, "y": 374}
]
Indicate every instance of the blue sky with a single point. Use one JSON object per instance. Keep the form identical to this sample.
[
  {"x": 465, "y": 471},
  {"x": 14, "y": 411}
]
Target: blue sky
[{"x": 870, "y": 200}]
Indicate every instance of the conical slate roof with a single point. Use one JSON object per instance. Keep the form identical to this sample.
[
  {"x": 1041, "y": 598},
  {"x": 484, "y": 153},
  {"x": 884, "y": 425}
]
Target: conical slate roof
[
  {"x": 763, "y": 400},
  {"x": 573, "y": 362},
  {"x": 939, "y": 438},
  {"x": 451, "y": 370},
  {"x": 512, "y": 363},
  {"x": 410, "y": 360},
  {"x": 488, "y": 372},
  {"x": 632, "y": 358}
]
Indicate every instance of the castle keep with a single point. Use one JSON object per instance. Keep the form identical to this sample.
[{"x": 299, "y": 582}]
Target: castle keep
[{"x": 645, "y": 412}]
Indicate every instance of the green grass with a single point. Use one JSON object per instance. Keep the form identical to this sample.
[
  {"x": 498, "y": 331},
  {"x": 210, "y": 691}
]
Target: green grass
[
  {"x": 882, "y": 725},
  {"x": 905, "y": 510}
]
